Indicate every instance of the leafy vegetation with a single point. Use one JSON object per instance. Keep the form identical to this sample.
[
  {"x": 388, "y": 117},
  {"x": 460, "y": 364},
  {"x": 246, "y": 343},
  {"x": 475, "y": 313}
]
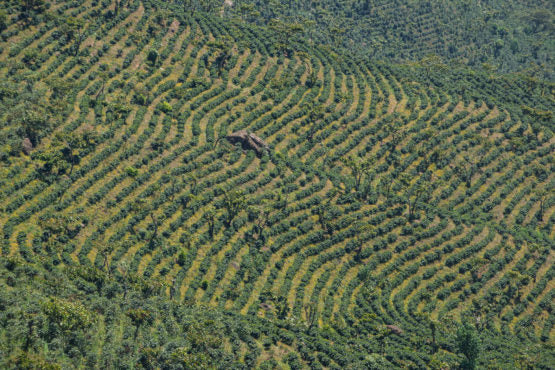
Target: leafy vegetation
[
  {"x": 402, "y": 216},
  {"x": 500, "y": 35}
]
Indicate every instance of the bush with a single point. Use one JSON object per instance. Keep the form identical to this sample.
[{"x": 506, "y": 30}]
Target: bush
[
  {"x": 131, "y": 171},
  {"x": 165, "y": 107},
  {"x": 152, "y": 56}
]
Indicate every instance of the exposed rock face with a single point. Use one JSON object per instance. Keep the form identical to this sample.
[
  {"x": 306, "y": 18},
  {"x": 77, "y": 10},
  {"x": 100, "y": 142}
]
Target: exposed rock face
[
  {"x": 248, "y": 141},
  {"x": 266, "y": 306},
  {"x": 395, "y": 329},
  {"x": 27, "y": 146}
]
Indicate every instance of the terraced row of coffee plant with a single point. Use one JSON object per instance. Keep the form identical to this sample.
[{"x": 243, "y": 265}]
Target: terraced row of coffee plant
[
  {"x": 384, "y": 209},
  {"x": 505, "y": 35}
]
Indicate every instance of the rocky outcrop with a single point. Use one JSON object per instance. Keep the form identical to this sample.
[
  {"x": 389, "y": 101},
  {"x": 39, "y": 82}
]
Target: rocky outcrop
[
  {"x": 27, "y": 146},
  {"x": 248, "y": 141},
  {"x": 395, "y": 329}
]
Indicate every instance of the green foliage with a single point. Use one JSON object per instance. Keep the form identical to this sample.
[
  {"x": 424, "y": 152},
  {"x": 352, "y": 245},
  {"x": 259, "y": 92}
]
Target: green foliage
[
  {"x": 132, "y": 171},
  {"x": 234, "y": 202},
  {"x": 152, "y": 56},
  {"x": 507, "y": 34},
  {"x": 3, "y": 20},
  {"x": 390, "y": 202},
  {"x": 468, "y": 345},
  {"x": 165, "y": 107},
  {"x": 32, "y": 5},
  {"x": 67, "y": 316}
]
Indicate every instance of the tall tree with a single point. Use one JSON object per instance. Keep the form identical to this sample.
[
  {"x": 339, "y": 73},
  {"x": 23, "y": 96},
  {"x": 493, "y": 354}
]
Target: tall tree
[
  {"x": 543, "y": 195},
  {"x": 73, "y": 30},
  {"x": 360, "y": 169},
  {"x": 73, "y": 144},
  {"x": 222, "y": 52},
  {"x": 31, "y": 6},
  {"x": 234, "y": 201},
  {"x": 415, "y": 195},
  {"x": 468, "y": 345},
  {"x": 210, "y": 217},
  {"x": 287, "y": 34},
  {"x": 3, "y": 20},
  {"x": 466, "y": 170}
]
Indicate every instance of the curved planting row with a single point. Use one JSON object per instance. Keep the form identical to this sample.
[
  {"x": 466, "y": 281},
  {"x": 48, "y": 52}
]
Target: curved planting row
[{"x": 381, "y": 201}]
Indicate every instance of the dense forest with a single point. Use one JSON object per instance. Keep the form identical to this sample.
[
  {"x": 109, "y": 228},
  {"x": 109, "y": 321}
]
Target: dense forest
[{"x": 354, "y": 184}]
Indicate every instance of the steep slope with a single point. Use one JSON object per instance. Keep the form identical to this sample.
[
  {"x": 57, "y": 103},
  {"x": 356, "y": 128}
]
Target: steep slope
[
  {"x": 507, "y": 35},
  {"x": 390, "y": 195}
]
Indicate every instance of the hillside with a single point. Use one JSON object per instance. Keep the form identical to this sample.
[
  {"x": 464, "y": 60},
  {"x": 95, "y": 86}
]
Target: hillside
[
  {"x": 398, "y": 209},
  {"x": 505, "y": 35}
]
